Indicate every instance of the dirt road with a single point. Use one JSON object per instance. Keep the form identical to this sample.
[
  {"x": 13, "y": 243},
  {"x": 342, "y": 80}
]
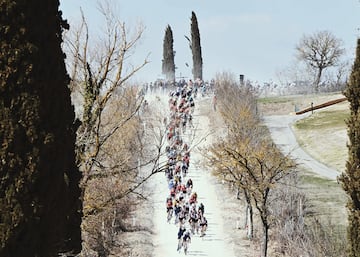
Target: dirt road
[
  {"x": 214, "y": 243},
  {"x": 282, "y": 134}
]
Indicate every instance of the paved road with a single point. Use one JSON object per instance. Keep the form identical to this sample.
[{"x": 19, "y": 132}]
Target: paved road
[{"x": 283, "y": 136}]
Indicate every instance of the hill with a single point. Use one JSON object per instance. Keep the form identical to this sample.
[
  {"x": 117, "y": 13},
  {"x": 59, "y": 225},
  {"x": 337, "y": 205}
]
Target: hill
[
  {"x": 322, "y": 134},
  {"x": 323, "y": 129}
]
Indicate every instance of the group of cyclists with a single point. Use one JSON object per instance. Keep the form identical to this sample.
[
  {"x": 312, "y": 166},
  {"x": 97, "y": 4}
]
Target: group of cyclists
[
  {"x": 162, "y": 85},
  {"x": 182, "y": 204}
]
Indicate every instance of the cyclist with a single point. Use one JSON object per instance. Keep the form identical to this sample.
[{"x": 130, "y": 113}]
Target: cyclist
[
  {"x": 203, "y": 226},
  {"x": 193, "y": 198},
  {"x": 169, "y": 208},
  {"x": 201, "y": 209},
  {"x": 186, "y": 241},
  {"x": 180, "y": 234}
]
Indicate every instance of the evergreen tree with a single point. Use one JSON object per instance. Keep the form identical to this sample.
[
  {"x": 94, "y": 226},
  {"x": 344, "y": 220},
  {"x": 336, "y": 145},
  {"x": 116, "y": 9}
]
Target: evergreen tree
[
  {"x": 351, "y": 177},
  {"x": 196, "y": 48},
  {"x": 168, "y": 62},
  {"x": 40, "y": 207}
]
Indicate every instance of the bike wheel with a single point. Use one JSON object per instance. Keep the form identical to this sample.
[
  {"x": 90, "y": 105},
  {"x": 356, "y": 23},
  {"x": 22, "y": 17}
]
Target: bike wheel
[
  {"x": 179, "y": 245},
  {"x": 185, "y": 248}
]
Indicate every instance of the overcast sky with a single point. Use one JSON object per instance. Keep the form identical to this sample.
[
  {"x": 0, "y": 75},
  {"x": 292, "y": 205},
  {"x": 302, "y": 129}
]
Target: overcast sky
[{"x": 256, "y": 38}]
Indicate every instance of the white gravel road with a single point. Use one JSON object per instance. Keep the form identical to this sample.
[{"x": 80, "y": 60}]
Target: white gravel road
[{"x": 214, "y": 243}]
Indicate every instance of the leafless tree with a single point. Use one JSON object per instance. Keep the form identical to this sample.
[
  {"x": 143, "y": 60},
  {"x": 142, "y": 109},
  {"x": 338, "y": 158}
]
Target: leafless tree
[
  {"x": 112, "y": 151},
  {"x": 97, "y": 71},
  {"x": 240, "y": 123},
  {"x": 244, "y": 156},
  {"x": 297, "y": 227},
  {"x": 320, "y": 51}
]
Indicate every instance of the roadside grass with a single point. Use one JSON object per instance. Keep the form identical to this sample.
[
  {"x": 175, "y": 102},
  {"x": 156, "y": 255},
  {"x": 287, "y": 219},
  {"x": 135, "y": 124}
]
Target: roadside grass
[
  {"x": 326, "y": 198},
  {"x": 276, "y": 99},
  {"x": 334, "y": 119},
  {"x": 299, "y": 98},
  {"x": 323, "y": 135},
  {"x": 275, "y": 105}
]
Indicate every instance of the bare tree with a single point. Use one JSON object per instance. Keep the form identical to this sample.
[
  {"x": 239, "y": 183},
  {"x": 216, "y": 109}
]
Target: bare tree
[
  {"x": 98, "y": 73},
  {"x": 320, "y": 51},
  {"x": 262, "y": 169},
  {"x": 240, "y": 123},
  {"x": 245, "y": 157},
  {"x": 111, "y": 150},
  {"x": 298, "y": 227}
]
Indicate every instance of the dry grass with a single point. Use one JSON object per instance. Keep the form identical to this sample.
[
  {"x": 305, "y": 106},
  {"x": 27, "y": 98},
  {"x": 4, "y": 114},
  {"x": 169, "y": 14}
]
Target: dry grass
[
  {"x": 282, "y": 105},
  {"x": 325, "y": 129},
  {"x": 323, "y": 135}
]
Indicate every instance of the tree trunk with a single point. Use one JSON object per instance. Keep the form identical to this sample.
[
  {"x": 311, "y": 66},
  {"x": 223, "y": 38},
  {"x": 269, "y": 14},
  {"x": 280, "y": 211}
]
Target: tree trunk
[
  {"x": 265, "y": 239},
  {"x": 246, "y": 216},
  {"x": 250, "y": 232},
  {"x": 249, "y": 225},
  {"x": 317, "y": 80}
]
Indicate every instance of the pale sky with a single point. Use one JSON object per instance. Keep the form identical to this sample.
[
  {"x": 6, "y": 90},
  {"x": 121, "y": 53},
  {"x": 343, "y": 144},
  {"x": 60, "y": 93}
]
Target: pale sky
[{"x": 256, "y": 38}]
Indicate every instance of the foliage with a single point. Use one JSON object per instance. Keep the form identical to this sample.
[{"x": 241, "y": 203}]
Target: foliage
[
  {"x": 196, "y": 48},
  {"x": 168, "y": 62},
  {"x": 350, "y": 178},
  {"x": 39, "y": 189}
]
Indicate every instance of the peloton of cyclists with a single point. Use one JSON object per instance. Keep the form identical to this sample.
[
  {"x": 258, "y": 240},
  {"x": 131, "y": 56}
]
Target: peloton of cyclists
[{"x": 182, "y": 201}]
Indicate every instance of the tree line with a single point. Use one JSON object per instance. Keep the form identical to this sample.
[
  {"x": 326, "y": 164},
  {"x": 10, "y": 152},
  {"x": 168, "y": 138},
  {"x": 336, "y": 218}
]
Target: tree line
[{"x": 168, "y": 62}]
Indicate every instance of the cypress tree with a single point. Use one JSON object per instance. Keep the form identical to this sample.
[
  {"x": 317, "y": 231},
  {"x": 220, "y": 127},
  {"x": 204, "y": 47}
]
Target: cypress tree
[
  {"x": 168, "y": 62},
  {"x": 351, "y": 177},
  {"x": 196, "y": 48},
  {"x": 40, "y": 208}
]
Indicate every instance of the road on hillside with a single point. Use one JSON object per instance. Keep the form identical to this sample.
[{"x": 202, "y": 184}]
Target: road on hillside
[
  {"x": 280, "y": 127},
  {"x": 214, "y": 243}
]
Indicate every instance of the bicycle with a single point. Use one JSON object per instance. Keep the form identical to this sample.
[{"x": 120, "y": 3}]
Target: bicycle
[
  {"x": 180, "y": 244},
  {"x": 203, "y": 230},
  {"x": 169, "y": 214},
  {"x": 185, "y": 244}
]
